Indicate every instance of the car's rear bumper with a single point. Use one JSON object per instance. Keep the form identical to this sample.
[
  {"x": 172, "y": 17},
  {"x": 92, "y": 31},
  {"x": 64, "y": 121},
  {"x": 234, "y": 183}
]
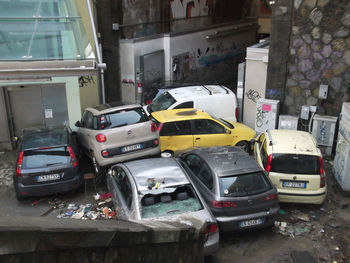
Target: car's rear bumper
[
  {"x": 212, "y": 244},
  {"x": 310, "y": 197},
  {"x": 49, "y": 188},
  {"x": 117, "y": 158},
  {"x": 228, "y": 224}
]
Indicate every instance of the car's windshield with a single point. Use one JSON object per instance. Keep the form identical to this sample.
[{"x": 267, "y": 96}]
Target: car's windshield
[
  {"x": 295, "y": 164},
  {"x": 163, "y": 102},
  {"x": 122, "y": 118},
  {"x": 181, "y": 200},
  {"x": 244, "y": 184},
  {"x": 222, "y": 121}
]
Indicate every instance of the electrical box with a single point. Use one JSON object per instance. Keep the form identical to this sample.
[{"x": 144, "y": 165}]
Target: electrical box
[
  {"x": 323, "y": 92},
  {"x": 266, "y": 114},
  {"x": 305, "y": 110},
  {"x": 323, "y": 130},
  {"x": 288, "y": 122}
]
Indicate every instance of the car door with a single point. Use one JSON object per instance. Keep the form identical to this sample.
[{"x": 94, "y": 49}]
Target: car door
[
  {"x": 122, "y": 193},
  {"x": 201, "y": 176},
  {"x": 85, "y": 131},
  {"x": 176, "y": 136},
  {"x": 208, "y": 132}
]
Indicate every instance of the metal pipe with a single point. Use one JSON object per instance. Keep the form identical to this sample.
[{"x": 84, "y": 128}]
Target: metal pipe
[{"x": 101, "y": 66}]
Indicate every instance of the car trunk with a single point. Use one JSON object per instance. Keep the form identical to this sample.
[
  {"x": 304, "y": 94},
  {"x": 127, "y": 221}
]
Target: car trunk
[{"x": 46, "y": 165}]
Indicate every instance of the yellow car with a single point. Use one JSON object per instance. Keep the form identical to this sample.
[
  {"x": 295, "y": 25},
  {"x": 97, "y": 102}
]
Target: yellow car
[
  {"x": 294, "y": 164},
  {"x": 181, "y": 129}
]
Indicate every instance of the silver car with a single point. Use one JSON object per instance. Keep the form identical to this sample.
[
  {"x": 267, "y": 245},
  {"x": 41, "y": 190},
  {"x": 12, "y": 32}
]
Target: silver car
[
  {"x": 112, "y": 133},
  {"x": 159, "y": 189}
]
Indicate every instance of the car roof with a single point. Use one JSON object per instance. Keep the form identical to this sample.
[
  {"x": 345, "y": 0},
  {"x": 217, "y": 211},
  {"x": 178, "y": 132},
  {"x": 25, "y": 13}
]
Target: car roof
[
  {"x": 228, "y": 160},
  {"x": 292, "y": 141},
  {"x": 179, "y": 115},
  {"x": 111, "y": 107},
  {"x": 44, "y": 137},
  {"x": 166, "y": 171},
  {"x": 198, "y": 91}
]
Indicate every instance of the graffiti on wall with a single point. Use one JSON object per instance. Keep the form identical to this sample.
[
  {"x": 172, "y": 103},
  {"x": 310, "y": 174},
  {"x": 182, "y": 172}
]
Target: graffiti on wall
[
  {"x": 253, "y": 95},
  {"x": 188, "y": 8},
  {"x": 85, "y": 80}
]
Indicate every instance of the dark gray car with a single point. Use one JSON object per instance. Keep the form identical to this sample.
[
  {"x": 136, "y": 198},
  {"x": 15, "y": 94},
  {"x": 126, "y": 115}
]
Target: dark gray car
[
  {"x": 46, "y": 163},
  {"x": 234, "y": 186},
  {"x": 159, "y": 189}
]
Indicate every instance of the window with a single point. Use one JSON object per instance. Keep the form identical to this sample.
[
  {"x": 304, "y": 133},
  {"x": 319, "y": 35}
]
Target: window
[
  {"x": 185, "y": 105},
  {"x": 163, "y": 102},
  {"x": 176, "y": 128},
  {"x": 243, "y": 185},
  {"x": 295, "y": 164},
  {"x": 124, "y": 186},
  {"x": 89, "y": 120},
  {"x": 205, "y": 126},
  {"x": 200, "y": 170},
  {"x": 122, "y": 118},
  {"x": 43, "y": 158}
]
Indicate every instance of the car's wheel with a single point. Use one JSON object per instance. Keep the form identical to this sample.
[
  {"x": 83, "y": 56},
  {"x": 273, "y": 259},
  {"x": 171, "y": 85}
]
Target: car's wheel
[
  {"x": 244, "y": 146},
  {"x": 167, "y": 154}
]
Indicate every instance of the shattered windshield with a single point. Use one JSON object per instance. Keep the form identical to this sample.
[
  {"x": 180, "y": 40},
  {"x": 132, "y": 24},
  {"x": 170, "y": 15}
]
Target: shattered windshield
[
  {"x": 163, "y": 102},
  {"x": 180, "y": 200}
]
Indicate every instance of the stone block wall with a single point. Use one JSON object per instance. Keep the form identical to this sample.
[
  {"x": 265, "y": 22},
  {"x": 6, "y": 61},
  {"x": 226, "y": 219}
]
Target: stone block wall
[{"x": 318, "y": 53}]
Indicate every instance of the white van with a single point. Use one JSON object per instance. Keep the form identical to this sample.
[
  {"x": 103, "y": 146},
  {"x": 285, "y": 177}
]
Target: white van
[{"x": 217, "y": 100}]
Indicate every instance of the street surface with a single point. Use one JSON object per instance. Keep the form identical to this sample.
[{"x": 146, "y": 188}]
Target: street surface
[{"x": 303, "y": 233}]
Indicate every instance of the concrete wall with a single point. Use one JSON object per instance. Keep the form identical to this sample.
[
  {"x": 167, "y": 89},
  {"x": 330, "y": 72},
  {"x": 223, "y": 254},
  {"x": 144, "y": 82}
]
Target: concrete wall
[
  {"x": 310, "y": 46},
  {"x": 26, "y": 239},
  {"x": 5, "y": 143}
]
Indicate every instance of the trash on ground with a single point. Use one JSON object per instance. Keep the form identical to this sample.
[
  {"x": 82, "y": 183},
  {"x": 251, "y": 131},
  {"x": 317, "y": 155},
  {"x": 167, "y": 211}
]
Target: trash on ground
[
  {"x": 303, "y": 217},
  {"x": 282, "y": 212}
]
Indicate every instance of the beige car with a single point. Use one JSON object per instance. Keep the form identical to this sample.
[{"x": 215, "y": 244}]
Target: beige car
[
  {"x": 294, "y": 164},
  {"x": 113, "y": 133}
]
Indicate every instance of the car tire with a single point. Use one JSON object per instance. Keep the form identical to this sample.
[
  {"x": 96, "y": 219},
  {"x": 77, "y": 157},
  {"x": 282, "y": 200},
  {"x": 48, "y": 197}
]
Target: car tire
[
  {"x": 167, "y": 154},
  {"x": 244, "y": 146},
  {"x": 18, "y": 195}
]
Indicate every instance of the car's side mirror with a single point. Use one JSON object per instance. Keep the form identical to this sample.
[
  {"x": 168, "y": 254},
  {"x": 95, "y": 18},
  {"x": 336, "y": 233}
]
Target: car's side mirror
[
  {"x": 228, "y": 132},
  {"x": 78, "y": 124}
]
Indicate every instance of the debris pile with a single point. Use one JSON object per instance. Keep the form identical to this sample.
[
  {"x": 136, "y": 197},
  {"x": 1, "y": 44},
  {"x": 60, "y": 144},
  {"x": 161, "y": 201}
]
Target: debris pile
[{"x": 102, "y": 208}]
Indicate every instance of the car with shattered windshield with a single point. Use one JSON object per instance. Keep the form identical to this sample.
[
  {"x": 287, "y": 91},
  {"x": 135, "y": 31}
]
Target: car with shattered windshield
[
  {"x": 116, "y": 132},
  {"x": 294, "y": 164},
  {"x": 237, "y": 190},
  {"x": 46, "y": 163},
  {"x": 158, "y": 189}
]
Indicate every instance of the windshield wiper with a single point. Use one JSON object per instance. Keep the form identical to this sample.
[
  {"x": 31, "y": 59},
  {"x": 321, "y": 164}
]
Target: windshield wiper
[{"x": 51, "y": 164}]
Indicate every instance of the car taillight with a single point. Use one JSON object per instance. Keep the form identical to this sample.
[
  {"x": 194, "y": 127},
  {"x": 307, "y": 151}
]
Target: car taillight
[
  {"x": 73, "y": 159},
  {"x": 156, "y": 142},
  {"x": 19, "y": 164},
  {"x": 211, "y": 229},
  {"x": 268, "y": 163},
  {"x": 322, "y": 174},
  {"x": 148, "y": 102},
  {"x": 220, "y": 204},
  {"x": 105, "y": 153},
  {"x": 236, "y": 112},
  {"x": 101, "y": 138},
  {"x": 270, "y": 197},
  {"x": 154, "y": 127}
]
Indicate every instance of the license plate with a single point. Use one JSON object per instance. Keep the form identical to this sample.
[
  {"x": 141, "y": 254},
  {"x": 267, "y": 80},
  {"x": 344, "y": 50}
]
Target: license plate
[
  {"x": 48, "y": 177},
  {"x": 252, "y": 222},
  {"x": 290, "y": 184},
  {"x": 132, "y": 148}
]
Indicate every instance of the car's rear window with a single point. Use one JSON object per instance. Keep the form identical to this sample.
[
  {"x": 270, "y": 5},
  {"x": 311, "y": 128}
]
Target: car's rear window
[
  {"x": 45, "y": 139},
  {"x": 295, "y": 164},
  {"x": 40, "y": 158},
  {"x": 122, "y": 118},
  {"x": 181, "y": 200},
  {"x": 244, "y": 184},
  {"x": 163, "y": 102}
]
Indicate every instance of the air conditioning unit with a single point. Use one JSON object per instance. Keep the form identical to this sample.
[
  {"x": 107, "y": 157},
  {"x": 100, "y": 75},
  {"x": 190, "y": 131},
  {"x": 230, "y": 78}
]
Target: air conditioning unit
[
  {"x": 288, "y": 122},
  {"x": 323, "y": 130},
  {"x": 266, "y": 115}
]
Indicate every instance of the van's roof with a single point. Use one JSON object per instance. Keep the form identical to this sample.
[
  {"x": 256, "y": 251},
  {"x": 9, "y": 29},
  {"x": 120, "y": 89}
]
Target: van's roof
[
  {"x": 179, "y": 115},
  {"x": 193, "y": 91},
  {"x": 298, "y": 142}
]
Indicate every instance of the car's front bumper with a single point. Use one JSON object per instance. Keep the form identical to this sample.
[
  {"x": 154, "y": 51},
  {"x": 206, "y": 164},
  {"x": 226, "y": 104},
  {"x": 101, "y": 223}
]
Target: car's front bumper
[
  {"x": 228, "y": 224},
  {"x": 50, "y": 187}
]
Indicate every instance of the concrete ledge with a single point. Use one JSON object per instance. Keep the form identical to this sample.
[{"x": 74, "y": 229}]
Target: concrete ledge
[{"x": 22, "y": 238}]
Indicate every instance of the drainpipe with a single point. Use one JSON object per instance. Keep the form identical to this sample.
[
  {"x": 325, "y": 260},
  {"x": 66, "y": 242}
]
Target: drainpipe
[{"x": 100, "y": 65}]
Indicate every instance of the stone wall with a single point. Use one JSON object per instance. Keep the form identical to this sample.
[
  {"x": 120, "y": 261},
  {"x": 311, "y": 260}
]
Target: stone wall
[
  {"x": 318, "y": 53},
  {"x": 26, "y": 239}
]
